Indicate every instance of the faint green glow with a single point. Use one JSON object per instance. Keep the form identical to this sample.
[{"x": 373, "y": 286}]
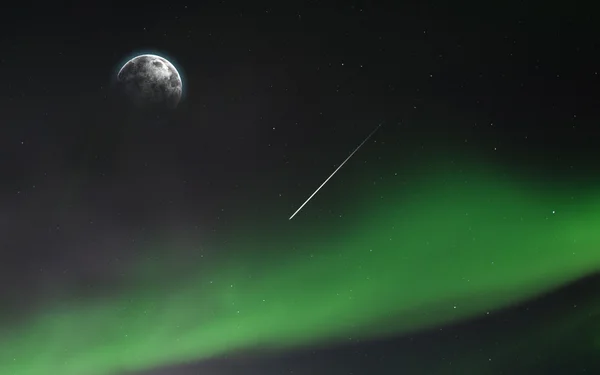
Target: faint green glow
[{"x": 453, "y": 246}]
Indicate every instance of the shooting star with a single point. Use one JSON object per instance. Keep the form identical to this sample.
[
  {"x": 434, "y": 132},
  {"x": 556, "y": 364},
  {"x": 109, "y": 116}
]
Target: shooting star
[{"x": 337, "y": 169}]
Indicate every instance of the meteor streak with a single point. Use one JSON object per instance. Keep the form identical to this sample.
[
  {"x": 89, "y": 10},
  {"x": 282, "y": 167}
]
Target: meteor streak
[{"x": 337, "y": 169}]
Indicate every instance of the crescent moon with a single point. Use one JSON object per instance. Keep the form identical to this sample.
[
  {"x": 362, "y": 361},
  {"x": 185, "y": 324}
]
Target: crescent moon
[
  {"x": 162, "y": 59},
  {"x": 151, "y": 76}
]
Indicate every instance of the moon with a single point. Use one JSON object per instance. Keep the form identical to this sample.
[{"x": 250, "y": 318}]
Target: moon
[{"x": 151, "y": 80}]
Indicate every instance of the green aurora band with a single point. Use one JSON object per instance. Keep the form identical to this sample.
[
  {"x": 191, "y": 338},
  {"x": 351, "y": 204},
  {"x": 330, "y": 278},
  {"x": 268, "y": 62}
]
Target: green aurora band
[{"x": 452, "y": 246}]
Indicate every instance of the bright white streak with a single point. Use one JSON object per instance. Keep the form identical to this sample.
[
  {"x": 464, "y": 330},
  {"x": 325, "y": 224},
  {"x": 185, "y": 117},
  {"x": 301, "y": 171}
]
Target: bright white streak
[{"x": 334, "y": 172}]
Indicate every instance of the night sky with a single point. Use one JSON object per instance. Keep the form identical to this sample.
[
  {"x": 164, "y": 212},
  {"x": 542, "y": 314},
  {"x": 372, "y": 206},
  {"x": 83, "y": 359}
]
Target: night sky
[{"x": 462, "y": 238}]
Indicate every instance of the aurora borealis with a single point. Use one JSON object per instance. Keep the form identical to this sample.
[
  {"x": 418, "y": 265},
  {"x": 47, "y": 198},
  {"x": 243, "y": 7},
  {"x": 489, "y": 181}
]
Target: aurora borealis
[
  {"x": 462, "y": 237},
  {"x": 497, "y": 242}
]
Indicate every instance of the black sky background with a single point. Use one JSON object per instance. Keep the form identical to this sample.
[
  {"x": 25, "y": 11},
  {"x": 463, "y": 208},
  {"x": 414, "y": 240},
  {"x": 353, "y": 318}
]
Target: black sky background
[{"x": 275, "y": 95}]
